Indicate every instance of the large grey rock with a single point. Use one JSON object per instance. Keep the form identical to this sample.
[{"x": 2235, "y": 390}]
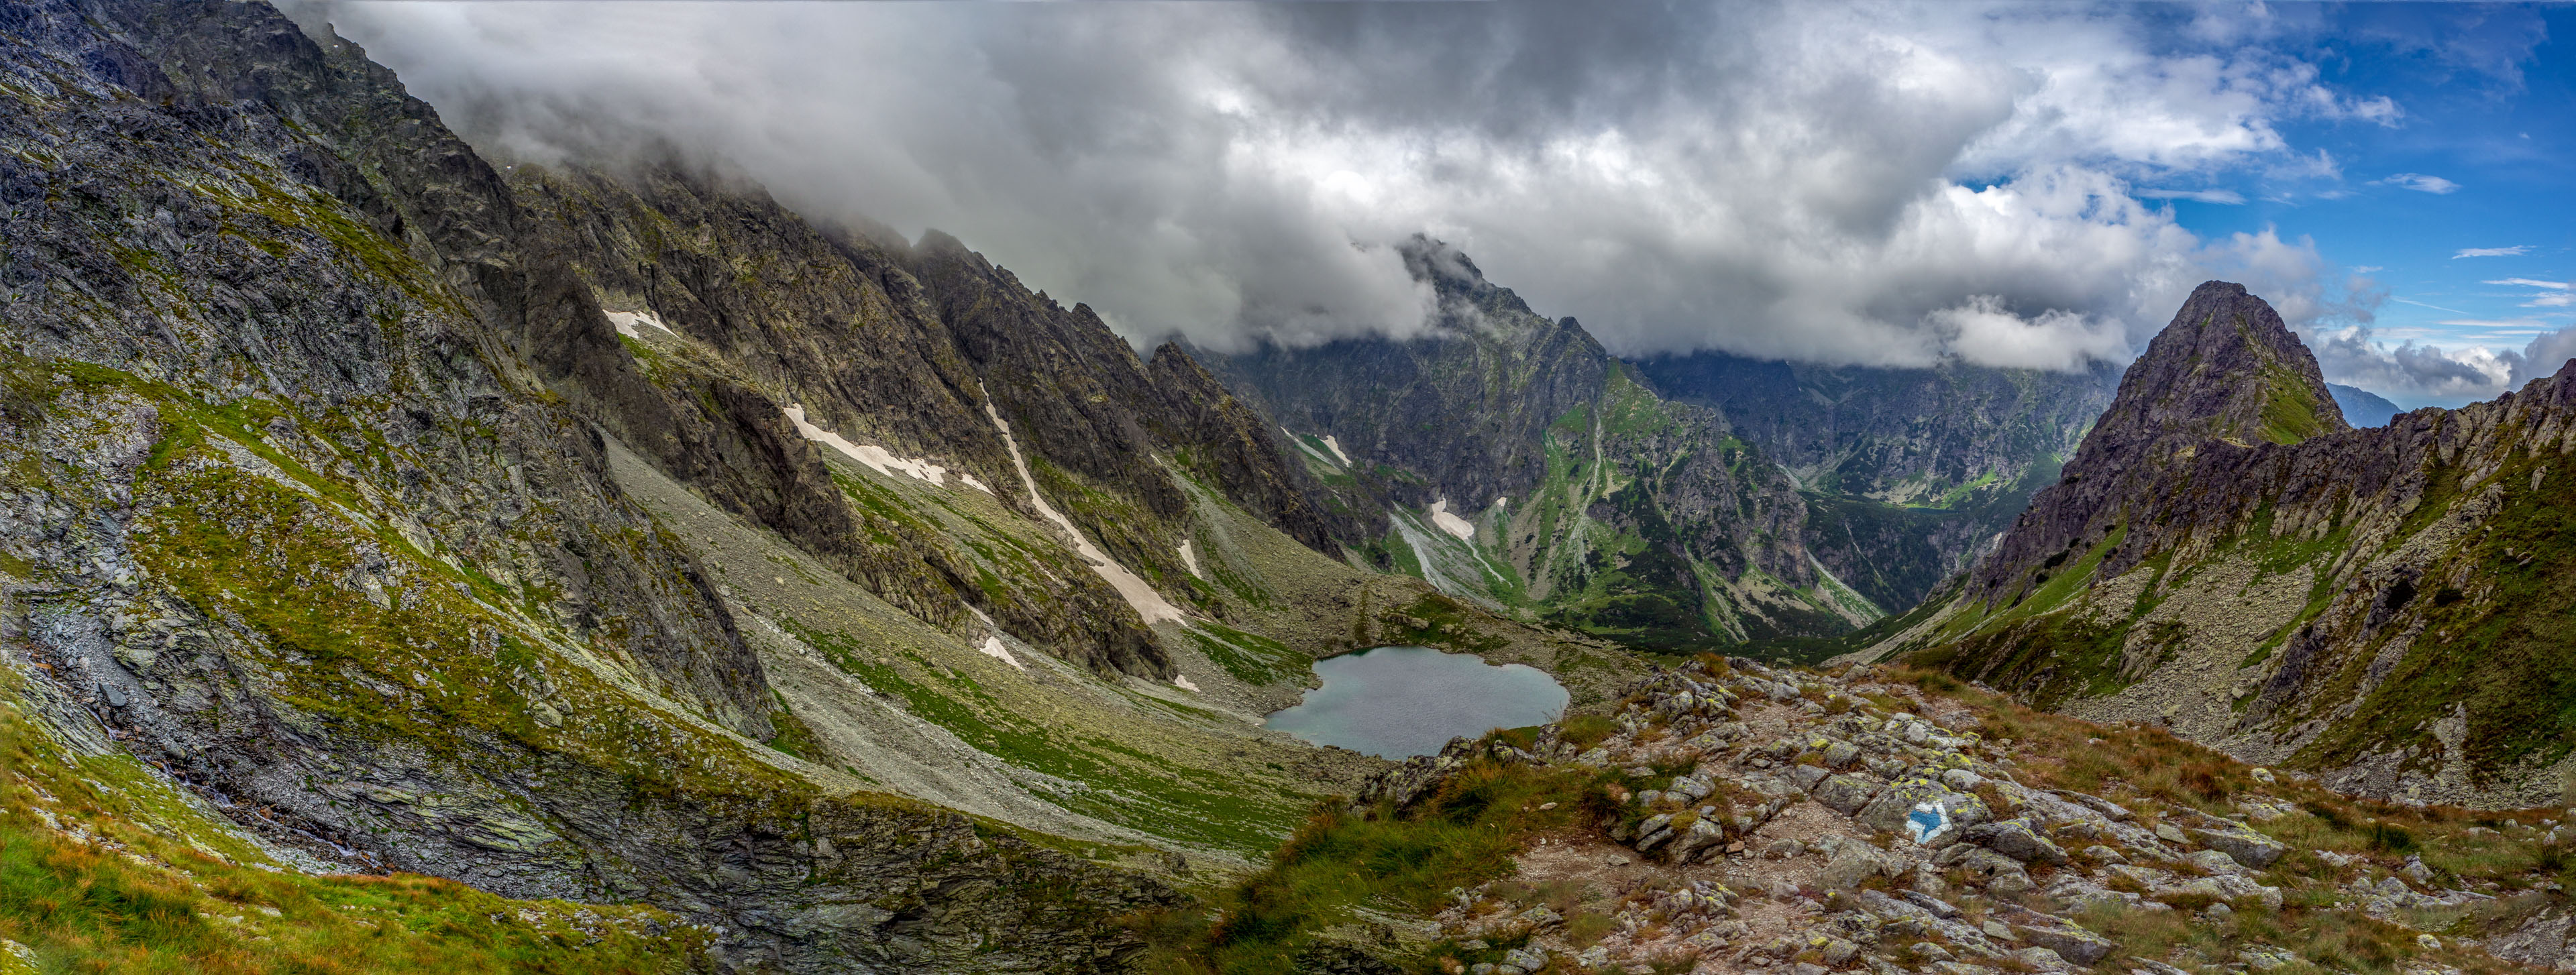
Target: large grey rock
[
  {"x": 1978, "y": 860},
  {"x": 1846, "y": 794},
  {"x": 2213, "y": 861},
  {"x": 1888, "y": 811},
  {"x": 1700, "y": 835},
  {"x": 1851, "y": 864},
  {"x": 2110, "y": 810},
  {"x": 2015, "y": 838},
  {"x": 2042, "y": 959},
  {"x": 2223, "y": 887},
  {"x": 1841, "y": 755},
  {"x": 2068, "y": 941},
  {"x": 2247, "y": 847}
]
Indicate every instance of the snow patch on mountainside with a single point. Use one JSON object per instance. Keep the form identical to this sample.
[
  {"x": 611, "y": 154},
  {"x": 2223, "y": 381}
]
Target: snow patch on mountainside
[
  {"x": 1149, "y": 604},
  {"x": 1191, "y": 559},
  {"x": 1451, "y": 523},
  {"x": 1336, "y": 445},
  {"x": 626, "y": 322},
  {"x": 993, "y": 648},
  {"x": 1308, "y": 448},
  {"x": 877, "y": 458}
]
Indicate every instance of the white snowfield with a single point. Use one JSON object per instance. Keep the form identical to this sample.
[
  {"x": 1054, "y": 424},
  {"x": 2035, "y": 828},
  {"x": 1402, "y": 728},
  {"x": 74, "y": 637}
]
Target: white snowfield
[
  {"x": 1148, "y": 603},
  {"x": 1309, "y": 449},
  {"x": 992, "y": 645},
  {"x": 1191, "y": 559},
  {"x": 1461, "y": 527},
  {"x": 1337, "y": 449},
  {"x": 626, "y": 322},
  {"x": 877, "y": 458},
  {"x": 993, "y": 648}
]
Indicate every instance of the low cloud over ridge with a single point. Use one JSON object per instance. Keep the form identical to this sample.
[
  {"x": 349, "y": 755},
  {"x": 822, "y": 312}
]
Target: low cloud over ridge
[{"x": 1842, "y": 183}]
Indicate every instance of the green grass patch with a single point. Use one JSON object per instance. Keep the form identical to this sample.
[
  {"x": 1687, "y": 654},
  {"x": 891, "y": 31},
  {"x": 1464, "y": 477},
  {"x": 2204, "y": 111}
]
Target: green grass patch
[
  {"x": 154, "y": 903},
  {"x": 1340, "y": 862}
]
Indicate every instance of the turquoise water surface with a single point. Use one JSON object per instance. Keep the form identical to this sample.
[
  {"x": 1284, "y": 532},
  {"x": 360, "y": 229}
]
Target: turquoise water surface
[{"x": 1397, "y": 702}]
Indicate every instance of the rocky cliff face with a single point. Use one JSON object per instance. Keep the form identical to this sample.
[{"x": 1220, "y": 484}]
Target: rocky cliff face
[
  {"x": 2226, "y": 557},
  {"x": 2227, "y": 372},
  {"x": 621, "y": 535},
  {"x": 1508, "y": 459},
  {"x": 626, "y": 537},
  {"x": 1909, "y": 473}
]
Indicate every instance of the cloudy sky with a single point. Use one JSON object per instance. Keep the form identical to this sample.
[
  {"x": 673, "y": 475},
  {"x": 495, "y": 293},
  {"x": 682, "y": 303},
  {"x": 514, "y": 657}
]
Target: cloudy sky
[{"x": 2014, "y": 184}]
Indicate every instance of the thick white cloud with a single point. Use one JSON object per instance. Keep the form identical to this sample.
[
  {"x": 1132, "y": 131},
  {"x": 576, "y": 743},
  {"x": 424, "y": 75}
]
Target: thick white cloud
[{"x": 1849, "y": 183}]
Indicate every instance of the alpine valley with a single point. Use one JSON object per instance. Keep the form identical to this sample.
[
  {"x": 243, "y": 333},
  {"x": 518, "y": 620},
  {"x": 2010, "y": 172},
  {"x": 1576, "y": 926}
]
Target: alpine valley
[{"x": 416, "y": 559}]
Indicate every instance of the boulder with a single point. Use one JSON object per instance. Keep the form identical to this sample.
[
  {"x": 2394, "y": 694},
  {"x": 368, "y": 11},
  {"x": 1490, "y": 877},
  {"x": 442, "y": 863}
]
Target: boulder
[
  {"x": 1977, "y": 860},
  {"x": 1702, "y": 834},
  {"x": 2224, "y": 887},
  {"x": 2015, "y": 838},
  {"x": 1538, "y": 917},
  {"x": 1889, "y": 811},
  {"x": 1806, "y": 776},
  {"x": 1850, "y": 865},
  {"x": 1837, "y": 951},
  {"x": 2254, "y": 850},
  {"x": 2042, "y": 959},
  {"x": 1938, "y": 907},
  {"x": 2106, "y": 807},
  {"x": 2068, "y": 941},
  {"x": 1846, "y": 794},
  {"x": 1841, "y": 755},
  {"x": 2264, "y": 958},
  {"x": 2213, "y": 861}
]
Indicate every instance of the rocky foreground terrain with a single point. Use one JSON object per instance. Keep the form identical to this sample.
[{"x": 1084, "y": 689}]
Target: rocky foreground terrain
[{"x": 1729, "y": 817}]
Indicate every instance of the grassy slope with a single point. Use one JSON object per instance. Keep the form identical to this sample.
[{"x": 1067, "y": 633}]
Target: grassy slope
[
  {"x": 104, "y": 867},
  {"x": 2495, "y": 650},
  {"x": 1629, "y": 579}
]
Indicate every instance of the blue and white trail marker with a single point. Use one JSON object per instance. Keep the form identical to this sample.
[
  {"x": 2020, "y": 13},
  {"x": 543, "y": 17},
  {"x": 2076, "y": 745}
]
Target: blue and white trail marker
[{"x": 1927, "y": 821}]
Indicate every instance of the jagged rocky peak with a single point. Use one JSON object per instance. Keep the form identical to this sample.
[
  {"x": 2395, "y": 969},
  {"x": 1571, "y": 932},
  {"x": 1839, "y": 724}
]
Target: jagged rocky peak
[
  {"x": 2226, "y": 368},
  {"x": 2225, "y": 373},
  {"x": 1470, "y": 304}
]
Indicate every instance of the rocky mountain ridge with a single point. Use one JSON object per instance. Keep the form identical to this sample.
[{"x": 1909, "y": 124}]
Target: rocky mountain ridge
[
  {"x": 1509, "y": 459},
  {"x": 2226, "y": 556},
  {"x": 1721, "y": 501},
  {"x": 846, "y": 600}
]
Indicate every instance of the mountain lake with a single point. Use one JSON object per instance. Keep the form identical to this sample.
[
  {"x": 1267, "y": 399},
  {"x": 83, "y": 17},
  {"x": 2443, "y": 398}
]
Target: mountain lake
[{"x": 1397, "y": 702}]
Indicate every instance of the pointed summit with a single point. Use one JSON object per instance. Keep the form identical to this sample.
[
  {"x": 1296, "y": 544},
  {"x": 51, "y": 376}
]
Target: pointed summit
[{"x": 2226, "y": 368}]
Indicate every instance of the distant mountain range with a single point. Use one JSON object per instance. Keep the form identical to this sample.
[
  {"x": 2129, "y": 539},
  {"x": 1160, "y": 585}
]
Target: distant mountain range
[
  {"x": 2361, "y": 407},
  {"x": 1680, "y": 503}
]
